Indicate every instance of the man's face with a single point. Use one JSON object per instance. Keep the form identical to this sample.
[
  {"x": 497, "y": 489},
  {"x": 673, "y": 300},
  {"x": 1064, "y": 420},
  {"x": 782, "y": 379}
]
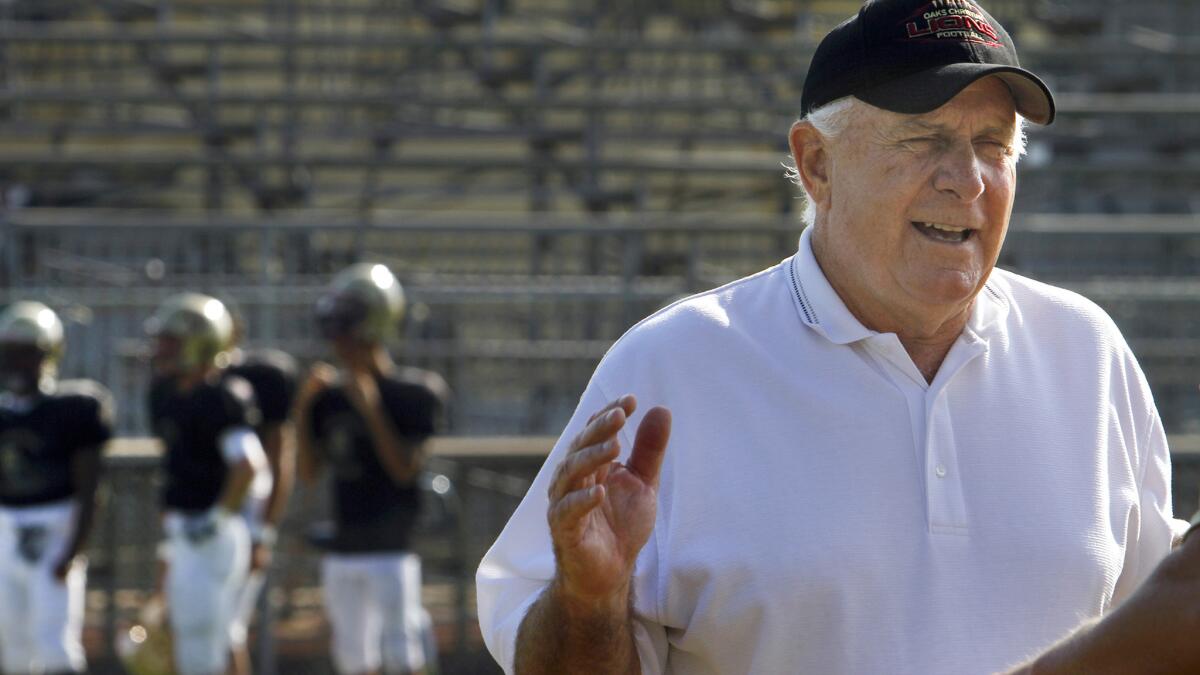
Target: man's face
[{"x": 919, "y": 204}]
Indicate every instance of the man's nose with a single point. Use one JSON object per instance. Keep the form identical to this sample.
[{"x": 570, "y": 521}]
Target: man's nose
[{"x": 959, "y": 173}]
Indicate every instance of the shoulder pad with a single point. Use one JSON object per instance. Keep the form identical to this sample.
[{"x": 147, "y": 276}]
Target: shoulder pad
[{"x": 89, "y": 392}]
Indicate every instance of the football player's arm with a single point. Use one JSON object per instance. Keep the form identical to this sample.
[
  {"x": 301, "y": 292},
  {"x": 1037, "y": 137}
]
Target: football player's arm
[
  {"x": 243, "y": 453},
  {"x": 85, "y": 473},
  {"x": 308, "y": 461},
  {"x": 281, "y": 459}
]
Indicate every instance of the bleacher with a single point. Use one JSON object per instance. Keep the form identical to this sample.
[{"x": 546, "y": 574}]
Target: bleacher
[{"x": 539, "y": 173}]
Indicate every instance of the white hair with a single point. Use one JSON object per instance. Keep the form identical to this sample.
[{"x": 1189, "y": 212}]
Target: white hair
[{"x": 832, "y": 119}]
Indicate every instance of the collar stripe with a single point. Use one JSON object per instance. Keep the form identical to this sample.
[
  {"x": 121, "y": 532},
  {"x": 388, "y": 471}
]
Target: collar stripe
[{"x": 798, "y": 288}]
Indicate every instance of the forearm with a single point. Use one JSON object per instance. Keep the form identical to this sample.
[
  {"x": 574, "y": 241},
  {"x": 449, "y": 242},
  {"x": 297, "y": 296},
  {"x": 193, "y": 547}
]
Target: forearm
[
  {"x": 84, "y": 519},
  {"x": 559, "y": 635},
  {"x": 86, "y": 469},
  {"x": 307, "y": 464},
  {"x": 281, "y": 460},
  {"x": 1121, "y": 642}
]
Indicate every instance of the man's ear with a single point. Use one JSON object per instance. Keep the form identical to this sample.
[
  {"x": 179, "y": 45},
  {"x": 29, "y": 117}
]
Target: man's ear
[{"x": 810, "y": 152}]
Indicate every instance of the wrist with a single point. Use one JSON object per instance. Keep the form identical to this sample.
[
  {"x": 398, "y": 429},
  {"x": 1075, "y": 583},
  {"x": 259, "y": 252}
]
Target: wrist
[{"x": 588, "y": 607}]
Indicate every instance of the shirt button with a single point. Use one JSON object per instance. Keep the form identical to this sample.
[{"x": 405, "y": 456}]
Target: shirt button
[{"x": 940, "y": 471}]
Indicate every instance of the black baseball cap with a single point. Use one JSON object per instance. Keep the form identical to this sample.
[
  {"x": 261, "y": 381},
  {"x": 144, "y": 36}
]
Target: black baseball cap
[{"x": 912, "y": 56}]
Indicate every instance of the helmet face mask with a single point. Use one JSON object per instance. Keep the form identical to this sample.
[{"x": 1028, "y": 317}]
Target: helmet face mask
[{"x": 31, "y": 344}]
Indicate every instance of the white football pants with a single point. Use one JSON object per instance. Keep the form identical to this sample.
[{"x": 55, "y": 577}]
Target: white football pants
[
  {"x": 41, "y": 618},
  {"x": 203, "y": 581},
  {"x": 373, "y": 601}
]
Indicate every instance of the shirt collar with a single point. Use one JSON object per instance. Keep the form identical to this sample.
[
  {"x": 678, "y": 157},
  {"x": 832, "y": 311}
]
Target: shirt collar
[{"x": 822, "y": 309}]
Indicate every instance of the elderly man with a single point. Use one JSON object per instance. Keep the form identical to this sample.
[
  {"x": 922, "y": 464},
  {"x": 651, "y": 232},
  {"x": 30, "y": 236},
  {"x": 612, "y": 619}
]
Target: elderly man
[{"x": 887, "y": 457}]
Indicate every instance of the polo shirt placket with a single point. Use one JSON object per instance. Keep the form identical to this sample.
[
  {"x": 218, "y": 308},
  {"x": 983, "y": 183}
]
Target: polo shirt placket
[{"x": 929, "y": 404}]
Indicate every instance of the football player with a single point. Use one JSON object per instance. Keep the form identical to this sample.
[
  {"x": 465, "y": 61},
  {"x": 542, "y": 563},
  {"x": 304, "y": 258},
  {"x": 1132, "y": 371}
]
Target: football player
[
  {"x": 206, "y": 420},
  {"x": 51, "y": 436},
  {"x": 367, "y": 423},
  {"x": 272, "y": 375}
]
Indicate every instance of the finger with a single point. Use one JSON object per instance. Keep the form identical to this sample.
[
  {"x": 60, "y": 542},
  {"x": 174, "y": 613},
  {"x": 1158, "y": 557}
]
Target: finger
[
  {"x": 650, "y": 444},
  {"x": 628, "y": 403},
  {"x": 603, "y": 472},
  {"x": 578, "y": 466},
  {"x": 600, "y": 430},
  {"x": 567, "y": 512}
]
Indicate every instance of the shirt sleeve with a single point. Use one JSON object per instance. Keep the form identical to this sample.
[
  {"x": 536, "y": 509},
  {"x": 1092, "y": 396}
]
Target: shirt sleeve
[
  {"x": 238, "y": 407},
  {"x": 94, "y": 424},
  {"x": 418, "y": 406},
  {"x": 241, "y": 443},
  {"x": 520, "y": 564},
  {"x": 1155, "y": 528},
  {"x": 274, "y": 394}
]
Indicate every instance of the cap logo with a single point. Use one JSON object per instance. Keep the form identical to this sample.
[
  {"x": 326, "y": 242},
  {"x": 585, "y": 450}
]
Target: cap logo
[{"x": 957, "y": 20}]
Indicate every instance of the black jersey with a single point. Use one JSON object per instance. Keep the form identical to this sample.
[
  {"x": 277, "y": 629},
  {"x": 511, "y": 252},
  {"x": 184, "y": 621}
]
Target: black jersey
[
  {"x": 40, "y": 436},
  {"x": 190, "y": 425},
  {"x": 272, "y": 374},
  {"x": 372, "y": 512}
]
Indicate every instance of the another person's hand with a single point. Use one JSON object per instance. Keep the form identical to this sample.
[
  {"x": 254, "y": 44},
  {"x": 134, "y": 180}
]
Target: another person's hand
[
  {"x": 361, "y": 389},
  {"x": 320, "y": 377},
  {"x": 602, "y": 512}
]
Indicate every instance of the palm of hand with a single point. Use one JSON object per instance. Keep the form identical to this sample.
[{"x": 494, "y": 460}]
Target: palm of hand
[
  {"x": 610, "y": 536},
  {"x": 602, "y": 512}
]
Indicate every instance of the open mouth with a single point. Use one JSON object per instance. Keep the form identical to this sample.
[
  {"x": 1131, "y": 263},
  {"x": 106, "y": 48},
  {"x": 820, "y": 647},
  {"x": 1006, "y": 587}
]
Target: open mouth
[{"x": 949, "y": 234}]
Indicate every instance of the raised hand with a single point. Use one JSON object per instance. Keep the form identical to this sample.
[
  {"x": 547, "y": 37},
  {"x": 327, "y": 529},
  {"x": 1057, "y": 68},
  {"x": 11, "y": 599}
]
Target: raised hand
[
  {"x": 320, "y": 377},
  {"x": 602, "y": 512}
]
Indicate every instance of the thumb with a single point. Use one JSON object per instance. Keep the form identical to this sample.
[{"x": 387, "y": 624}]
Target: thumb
[{"x": 650, "y": 444}]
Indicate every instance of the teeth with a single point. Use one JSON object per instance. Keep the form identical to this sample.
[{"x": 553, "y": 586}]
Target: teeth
[{"x": 945, "y": 228}]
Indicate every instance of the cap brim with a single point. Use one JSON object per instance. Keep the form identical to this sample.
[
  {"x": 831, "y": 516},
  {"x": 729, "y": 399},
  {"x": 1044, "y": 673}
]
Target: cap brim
[{"x": 930, "y": 89}]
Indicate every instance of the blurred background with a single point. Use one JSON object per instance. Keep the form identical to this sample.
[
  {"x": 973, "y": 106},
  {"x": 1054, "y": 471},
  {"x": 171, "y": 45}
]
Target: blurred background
[{"x": 540, "y": 174}]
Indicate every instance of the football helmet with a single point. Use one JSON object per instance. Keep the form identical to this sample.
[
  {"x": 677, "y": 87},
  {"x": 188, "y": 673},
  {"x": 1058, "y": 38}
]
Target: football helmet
[
  {"x": 31, "y": 345},
  {"x": 364, "y": 301},
  {"x": 191, "y": 330}
]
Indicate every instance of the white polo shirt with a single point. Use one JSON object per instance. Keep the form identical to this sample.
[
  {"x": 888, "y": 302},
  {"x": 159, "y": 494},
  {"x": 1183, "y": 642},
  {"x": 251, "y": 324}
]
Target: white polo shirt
[{"x": 824, "y": 510}]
